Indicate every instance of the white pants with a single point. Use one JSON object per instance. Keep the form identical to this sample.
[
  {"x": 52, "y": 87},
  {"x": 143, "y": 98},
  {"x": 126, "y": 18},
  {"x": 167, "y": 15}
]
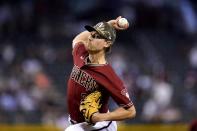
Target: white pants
[{"x": 100, "y": 126}]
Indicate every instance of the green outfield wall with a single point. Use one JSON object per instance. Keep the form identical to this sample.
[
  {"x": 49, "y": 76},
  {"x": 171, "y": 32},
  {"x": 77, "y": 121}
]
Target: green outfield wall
[{"x": 121, "y": 127}]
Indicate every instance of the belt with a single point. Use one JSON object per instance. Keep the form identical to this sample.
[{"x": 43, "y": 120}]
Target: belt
[{"x": 71, "y": 121}]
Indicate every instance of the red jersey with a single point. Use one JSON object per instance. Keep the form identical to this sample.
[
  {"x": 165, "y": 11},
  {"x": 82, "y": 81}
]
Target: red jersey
[{"x": 86, "y": 78}]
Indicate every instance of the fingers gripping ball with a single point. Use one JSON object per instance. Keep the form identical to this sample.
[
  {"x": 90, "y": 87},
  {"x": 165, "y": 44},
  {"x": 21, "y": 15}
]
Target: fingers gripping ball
[
  {"x": 123, "y": 23},
  {"x": 90, "y": 105}
]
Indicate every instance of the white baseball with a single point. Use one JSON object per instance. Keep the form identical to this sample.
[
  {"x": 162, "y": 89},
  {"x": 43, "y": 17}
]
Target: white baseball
[{"x": 122, "y": 22}]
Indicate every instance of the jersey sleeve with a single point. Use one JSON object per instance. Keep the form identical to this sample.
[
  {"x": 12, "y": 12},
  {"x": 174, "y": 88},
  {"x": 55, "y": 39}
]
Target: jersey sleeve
[
  {"x": 79, "y": 53},
  {"x": 114, "y": 86},
  {"x": 119, "y": 92}
]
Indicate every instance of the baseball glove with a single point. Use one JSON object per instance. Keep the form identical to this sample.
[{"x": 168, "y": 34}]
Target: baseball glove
[{"x": 90, "y": 105}]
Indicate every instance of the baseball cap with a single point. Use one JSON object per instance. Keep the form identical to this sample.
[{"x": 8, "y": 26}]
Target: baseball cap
[{"x": 104, "y": 29}]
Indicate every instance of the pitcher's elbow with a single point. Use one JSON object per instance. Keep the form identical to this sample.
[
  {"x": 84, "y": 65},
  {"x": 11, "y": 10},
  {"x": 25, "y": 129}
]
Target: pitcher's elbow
[{"x": 132, "y": 113}]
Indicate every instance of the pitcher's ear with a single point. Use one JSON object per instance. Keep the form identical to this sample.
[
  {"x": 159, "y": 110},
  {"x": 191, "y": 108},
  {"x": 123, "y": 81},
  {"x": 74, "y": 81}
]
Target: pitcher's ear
[{"x": 108, "y": 44}]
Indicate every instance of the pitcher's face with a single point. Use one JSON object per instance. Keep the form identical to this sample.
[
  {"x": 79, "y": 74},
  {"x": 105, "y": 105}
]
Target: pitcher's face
[{"x": 96, "y": 42}]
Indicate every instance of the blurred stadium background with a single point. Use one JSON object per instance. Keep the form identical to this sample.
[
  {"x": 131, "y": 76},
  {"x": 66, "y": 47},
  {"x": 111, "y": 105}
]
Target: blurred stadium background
[{"x": 156, "y": 58}]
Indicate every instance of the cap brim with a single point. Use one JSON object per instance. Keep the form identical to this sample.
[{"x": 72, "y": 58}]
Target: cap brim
[{"x": 89, "y": 28}]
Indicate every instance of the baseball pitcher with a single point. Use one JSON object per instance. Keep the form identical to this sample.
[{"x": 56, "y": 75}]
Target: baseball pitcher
[{"x": 92, "y": 81}]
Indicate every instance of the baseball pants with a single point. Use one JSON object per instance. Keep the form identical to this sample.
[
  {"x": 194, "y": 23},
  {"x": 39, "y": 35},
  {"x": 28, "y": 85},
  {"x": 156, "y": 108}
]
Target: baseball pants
[{"x": 99, "y": 126}]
